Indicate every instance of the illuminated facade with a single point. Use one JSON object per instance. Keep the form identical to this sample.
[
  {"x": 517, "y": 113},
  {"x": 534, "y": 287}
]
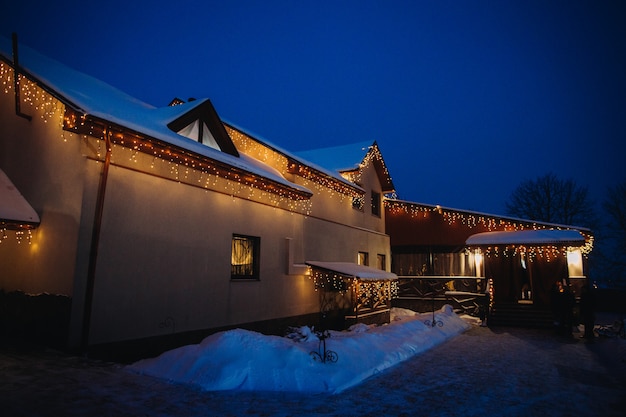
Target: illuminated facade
[
  {"x": 447, "y": 254},
  {"x": 162, "y": 222},
  {"x": 167, "y": 223}
]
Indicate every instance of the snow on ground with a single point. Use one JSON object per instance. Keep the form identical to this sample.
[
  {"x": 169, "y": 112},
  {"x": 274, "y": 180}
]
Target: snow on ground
[{"x": 244, "y": 360}]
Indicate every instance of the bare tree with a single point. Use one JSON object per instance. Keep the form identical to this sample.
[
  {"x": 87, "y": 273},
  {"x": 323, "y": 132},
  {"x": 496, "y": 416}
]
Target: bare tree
[
  {"x": 552, "y": 200},
  {"x": 615, "y": 207}
]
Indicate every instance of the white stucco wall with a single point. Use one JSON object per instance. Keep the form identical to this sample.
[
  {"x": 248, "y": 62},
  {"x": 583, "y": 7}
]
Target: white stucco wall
[
  {"x": 47, "y": 170},
  {"x": 163, "y": 259},
  {"x": 172, "y": 246}
]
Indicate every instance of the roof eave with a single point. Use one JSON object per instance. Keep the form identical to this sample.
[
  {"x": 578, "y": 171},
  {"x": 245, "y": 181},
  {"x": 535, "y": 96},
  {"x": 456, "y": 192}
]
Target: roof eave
[{"x": 124, "y": 136}]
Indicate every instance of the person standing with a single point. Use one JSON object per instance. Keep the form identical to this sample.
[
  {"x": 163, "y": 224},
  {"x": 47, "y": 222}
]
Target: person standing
[
  {"x": 556, "y": 305},
  {"x": 569, "y": 300},
  {"x": 587, "y": 311}
]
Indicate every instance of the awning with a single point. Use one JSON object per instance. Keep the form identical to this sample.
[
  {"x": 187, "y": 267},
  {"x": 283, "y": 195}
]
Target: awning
[
  {"x": 15, "y": 212},
  {"x": 528, "y": 237},
  {"x": 349, "y": 269}
]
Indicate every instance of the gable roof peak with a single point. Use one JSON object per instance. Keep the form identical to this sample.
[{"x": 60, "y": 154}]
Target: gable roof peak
[
  {"x": 351, "y": 157},
  {"x": 202, "y": 124}
]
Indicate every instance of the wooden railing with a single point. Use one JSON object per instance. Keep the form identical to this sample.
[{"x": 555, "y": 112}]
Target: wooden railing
[{"x": 435, "y": 286}]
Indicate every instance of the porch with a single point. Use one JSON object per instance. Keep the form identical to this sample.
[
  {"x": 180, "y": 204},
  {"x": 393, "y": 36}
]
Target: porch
[
  {"x": 352, "y": 293},
  {"x": 426, "y": 292}
]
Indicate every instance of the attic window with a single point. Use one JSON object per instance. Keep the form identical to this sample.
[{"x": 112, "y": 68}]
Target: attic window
[
  {"x": 202, "y": 124},
  {"x": 199, "y": 131}
]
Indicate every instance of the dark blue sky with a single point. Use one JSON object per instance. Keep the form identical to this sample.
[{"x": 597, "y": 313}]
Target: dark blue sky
[{"x": 466, "y": 99}]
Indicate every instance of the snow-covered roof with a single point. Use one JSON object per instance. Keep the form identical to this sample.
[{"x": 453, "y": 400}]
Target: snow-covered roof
[
  {"x": 436, "y": 207},
  {"x": 353, "y": 270},
  {"x": 349, "y": 157},
  {"x": 99, "y": 99},
  {"x": 14, "y": 209},
  {"x": 338, "y": 158},
  {"x": 528, "y": 237},
  {"x": 293, "y": 156}
]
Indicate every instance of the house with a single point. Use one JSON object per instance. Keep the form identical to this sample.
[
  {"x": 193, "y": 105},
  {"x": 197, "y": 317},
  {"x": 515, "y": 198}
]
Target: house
[
  {"x": 444, "y": 255},
  {"x": 155, "y": 226},
  {"x": 130, "y": 228}
]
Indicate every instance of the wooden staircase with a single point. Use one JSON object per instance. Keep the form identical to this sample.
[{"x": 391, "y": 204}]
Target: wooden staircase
[{"x": 520, "y": 315}]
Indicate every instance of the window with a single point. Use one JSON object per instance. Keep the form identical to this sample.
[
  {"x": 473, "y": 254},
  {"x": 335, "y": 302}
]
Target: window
[
  {"x": 244, "y": 262},
  {"x": 375, "y": 203},
  {"x": 574, "y": 263},
  {"x": 199, "y": 131},
  {"x": 434, "y": 263},
  {"x": 381, "y": 262},
  {"x": 363, "y": 258},
  {"x": 203, "y": 124}
]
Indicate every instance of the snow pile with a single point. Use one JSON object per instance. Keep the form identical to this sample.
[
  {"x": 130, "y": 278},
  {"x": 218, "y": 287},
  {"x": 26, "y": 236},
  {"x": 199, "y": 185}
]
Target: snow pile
[{"x": 245, "y": 360}]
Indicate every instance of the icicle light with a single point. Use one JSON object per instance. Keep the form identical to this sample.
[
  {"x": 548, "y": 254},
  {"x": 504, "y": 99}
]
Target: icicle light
[
  {"x": 488, "y": 223},
  {"x": 311, "y": 178},
  {"x": 22, "y": 232}
]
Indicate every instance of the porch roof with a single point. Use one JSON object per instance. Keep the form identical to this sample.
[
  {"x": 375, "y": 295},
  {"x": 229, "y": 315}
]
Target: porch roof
[
  {"x": 349, "y": 269},
  {"x": 528, "y": 237},
  {"x": 14, "y": 209}
]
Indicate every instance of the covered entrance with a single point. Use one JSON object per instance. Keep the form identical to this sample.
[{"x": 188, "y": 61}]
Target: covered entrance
[
  {"x": 351, "y": 293},
  {"x": 524, "y": 268}
]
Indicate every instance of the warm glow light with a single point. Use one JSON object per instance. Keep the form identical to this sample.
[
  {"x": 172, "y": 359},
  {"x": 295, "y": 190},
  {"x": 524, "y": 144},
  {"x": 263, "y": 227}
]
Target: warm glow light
[
  {"x": 488, "y": 223},
  {"x": 574, "y": 262},
  {"x": 478, "y": 262}
]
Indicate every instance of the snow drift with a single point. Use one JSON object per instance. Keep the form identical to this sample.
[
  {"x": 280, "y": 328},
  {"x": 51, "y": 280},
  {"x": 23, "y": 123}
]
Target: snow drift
[{"x": 244, "y": 360}]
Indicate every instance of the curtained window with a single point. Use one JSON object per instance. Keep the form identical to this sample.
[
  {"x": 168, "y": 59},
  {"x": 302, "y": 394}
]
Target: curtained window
[
  {"x": 245, "y": 257},
  {"x": 434, "y": 263},
  {"x": 381, "y": 262}
]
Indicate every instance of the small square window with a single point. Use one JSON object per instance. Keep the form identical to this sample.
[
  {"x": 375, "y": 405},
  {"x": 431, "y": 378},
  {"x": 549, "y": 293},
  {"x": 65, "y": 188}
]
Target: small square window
[
  {"x": 244, "y": 262},
  {"x": 363, "y": 258},
  {"x": 381, "y": 262}
]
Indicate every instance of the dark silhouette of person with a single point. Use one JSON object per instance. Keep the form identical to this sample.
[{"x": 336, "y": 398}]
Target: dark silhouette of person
[
  {"x": 555, "y": 304},
  {"x": 587, "y": 311},
  {"x": 567, "y": 304}
]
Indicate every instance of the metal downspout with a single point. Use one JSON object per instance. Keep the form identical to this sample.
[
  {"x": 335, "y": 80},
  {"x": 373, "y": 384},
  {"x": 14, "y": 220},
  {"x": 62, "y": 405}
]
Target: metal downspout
[
  {"x": 16, "y": 80},
  {"x": 95, "y": 242}
]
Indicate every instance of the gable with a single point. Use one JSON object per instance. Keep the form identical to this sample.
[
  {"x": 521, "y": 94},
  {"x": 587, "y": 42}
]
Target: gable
[
  {"x": 203, "y": 125},
  {"x": 374, "y": 157},
  {"x": 350, "y": 160}
]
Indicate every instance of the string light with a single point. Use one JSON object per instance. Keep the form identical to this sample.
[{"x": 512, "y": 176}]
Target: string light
[
  {"x": 188, "y": 167},
  {"x": 489, "y": 223},
  {"x": 366, "y": 295},
  {"x": 41, "y": 104},
  {"x": 372, "y": 157},
  {"x": 288, "y": 167},
  {"x": 547, "y": 252},
  {"x": 184, "y": 162},
  {"x": 22, "y": 231},
  {"x": 372, "y": 295}
]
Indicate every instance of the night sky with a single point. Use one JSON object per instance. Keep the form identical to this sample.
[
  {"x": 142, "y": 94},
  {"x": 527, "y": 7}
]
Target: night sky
[{"x": 466, "y": 99}]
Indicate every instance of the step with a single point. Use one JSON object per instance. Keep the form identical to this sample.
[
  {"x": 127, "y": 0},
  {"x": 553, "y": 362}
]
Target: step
[{"x": 520, "y": 315}]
